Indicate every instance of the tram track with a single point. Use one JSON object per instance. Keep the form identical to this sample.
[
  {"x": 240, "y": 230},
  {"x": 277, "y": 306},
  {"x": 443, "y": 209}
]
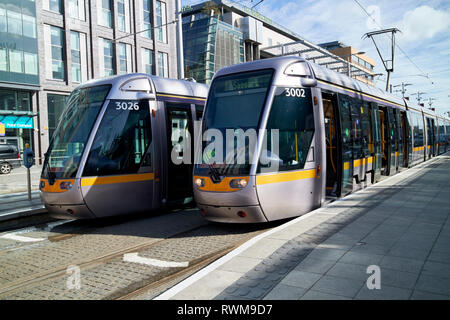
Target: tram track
[
  {"x": 57, "y": 272},
  {"x": 153, "y": 282}
]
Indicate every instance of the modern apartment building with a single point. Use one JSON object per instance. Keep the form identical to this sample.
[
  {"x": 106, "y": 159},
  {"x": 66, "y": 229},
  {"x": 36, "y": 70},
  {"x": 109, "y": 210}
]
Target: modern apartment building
[
  {"x": 354, "y": 56},
  {"x": 74, "y": 41},
  {"x": 218, "y": 33}
]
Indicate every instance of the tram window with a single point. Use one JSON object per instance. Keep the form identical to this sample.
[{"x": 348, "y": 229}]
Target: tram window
[
  {"x": 368, "y": 147},
  {"x": 238, "y": 94},
  {"x": 122, "y": 140},
  {"x": 420, "y": 136},
  {"x": 294, "y": 118},
  {"x": 358, "y": 140},
  {"x": 72, "y": 133}
]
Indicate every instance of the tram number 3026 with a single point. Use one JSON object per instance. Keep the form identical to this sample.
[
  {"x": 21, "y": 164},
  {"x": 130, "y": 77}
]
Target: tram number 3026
[
  {"x": 294, "y": 92},
  {"x": 127, "y": 105}
]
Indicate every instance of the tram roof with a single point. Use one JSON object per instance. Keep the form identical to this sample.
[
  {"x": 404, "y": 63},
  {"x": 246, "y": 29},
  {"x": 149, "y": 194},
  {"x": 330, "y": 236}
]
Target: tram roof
[
  {"x": 162, "y": 85},
  {"x": 319, "y": 72}
]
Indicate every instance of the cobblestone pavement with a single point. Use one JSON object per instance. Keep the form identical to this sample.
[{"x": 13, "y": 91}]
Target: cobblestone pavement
[
  {"x": 38, "y": 270},
  {"x": 400, "y": 225}
]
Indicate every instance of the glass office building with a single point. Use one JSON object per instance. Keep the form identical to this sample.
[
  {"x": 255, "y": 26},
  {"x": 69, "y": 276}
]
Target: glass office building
[
  {"x": 209, "y": 44},
  {"x": 19, "y": 72}
]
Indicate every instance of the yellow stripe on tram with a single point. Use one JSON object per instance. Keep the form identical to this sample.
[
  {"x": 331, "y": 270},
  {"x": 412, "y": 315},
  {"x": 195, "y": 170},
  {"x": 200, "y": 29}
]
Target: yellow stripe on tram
[
  {"x": 90, "y": 181},
  {"x": 285, "y": 176},
  {"x": 346, "y": 165}
]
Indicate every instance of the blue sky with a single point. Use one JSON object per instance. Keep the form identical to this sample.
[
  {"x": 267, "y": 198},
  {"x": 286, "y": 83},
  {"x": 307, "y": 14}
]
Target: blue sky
[{"x": 424, "y": 37}]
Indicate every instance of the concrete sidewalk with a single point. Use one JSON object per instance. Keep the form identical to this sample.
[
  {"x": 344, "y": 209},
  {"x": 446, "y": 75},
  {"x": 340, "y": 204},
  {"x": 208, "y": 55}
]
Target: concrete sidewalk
[{"x": 399, "y": 225}]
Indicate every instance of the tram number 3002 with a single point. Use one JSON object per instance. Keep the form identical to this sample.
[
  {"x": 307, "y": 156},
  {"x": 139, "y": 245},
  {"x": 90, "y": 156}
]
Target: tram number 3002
[
  {"x": 127, "y": 105},
  {"x": 295, "y": 92}
]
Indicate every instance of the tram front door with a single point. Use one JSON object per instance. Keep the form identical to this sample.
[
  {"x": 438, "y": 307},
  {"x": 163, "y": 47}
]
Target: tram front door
[{"x": 180, "y": 152}]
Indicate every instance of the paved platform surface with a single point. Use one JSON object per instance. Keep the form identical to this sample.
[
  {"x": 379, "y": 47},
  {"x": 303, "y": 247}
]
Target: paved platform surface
[
  {"x": 16, "y": 181},
  {"x": 15, "y": 205},
  {"x": 400, "y": 225}
]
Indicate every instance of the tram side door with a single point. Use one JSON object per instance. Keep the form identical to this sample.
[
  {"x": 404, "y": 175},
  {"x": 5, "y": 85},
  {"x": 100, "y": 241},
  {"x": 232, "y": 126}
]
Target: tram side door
[
  {"x": 429, "y": 150},
  {"x": 332, "y": 149},
  {"x": 385, "y": 148},
  {"x": 180, "y": 151},
  {"x": 346, "y": 138},
  {"x": 377, "y": 153},
  {"x": 403, "y": 138}
]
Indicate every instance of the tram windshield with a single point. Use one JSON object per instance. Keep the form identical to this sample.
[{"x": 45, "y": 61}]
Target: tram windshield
[
  {"x": 68, "y": 142},
  {"x": 234, "y": 106}
]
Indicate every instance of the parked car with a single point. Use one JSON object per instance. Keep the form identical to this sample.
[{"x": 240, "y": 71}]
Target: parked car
[{"x": 9, "y": 158}]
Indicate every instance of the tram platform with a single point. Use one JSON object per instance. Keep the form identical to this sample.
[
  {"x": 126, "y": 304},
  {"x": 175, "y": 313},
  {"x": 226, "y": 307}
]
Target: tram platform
[{"x": 388, "y": 241}]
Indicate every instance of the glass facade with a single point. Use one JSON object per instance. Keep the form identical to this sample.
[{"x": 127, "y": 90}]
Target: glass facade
[
  {"x": 18, "y": 127},
  {"x": 210, "y": 44},
  {"x": 18, "y": 42},
  {"x": 18, "y": 64}
]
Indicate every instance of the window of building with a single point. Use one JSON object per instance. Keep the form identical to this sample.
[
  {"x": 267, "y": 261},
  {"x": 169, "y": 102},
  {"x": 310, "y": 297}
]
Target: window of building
[
  {"x": 16, "y": 61},
  {"x": 3, "y": 59},
  {"x": 76, "y": 56},
  {"x": 31, "y": 63},
  {"x": 29, "y": 26},
  {"x": 161, "y": 20},
  {"x": 108, "y": 57},
  {"x": 3, "y": 19},
  {"x": 123, "y": 61},
  {"x": 15, "y": 100},
  {"x": 76, "y": 9},
  {"x": 121, "y": 12},
  {"x": 14, "y": 22},
  {"x": 147, "y": 57},
  {"x": 163, "y": 64},
  {"x": 106, "y": 15},
  {"x": 57, "y": 52},
  {"x": 147, "y": 9},
  {"x": 54, "y": 5},
  {"x": 55, "y": 107}
]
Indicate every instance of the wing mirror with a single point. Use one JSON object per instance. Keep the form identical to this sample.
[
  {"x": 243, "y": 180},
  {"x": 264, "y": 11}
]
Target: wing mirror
[{"x": 308, "y": 82}]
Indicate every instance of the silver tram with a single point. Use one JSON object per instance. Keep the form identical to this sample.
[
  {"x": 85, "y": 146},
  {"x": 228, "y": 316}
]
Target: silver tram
[
  {"x": 320, "y": 135},
  {"x": 111, "y": 151}
]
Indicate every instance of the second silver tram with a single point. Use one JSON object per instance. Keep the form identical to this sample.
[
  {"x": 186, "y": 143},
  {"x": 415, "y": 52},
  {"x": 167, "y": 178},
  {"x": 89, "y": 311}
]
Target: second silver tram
[
  {"x": 320, "y": 134},
  {"x": 112, "y": 150}
]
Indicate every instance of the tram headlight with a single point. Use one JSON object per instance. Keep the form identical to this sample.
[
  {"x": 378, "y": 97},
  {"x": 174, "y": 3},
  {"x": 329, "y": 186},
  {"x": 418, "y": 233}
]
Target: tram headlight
[
  {"x": 65, "y": 185},
  {"x": 199, "y": 182},
  {"x": 238, "y": 183}
]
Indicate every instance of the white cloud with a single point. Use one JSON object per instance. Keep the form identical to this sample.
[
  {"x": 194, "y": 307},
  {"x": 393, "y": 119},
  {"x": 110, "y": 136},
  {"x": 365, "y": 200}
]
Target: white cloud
[{"x": 423, "y": 23}]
